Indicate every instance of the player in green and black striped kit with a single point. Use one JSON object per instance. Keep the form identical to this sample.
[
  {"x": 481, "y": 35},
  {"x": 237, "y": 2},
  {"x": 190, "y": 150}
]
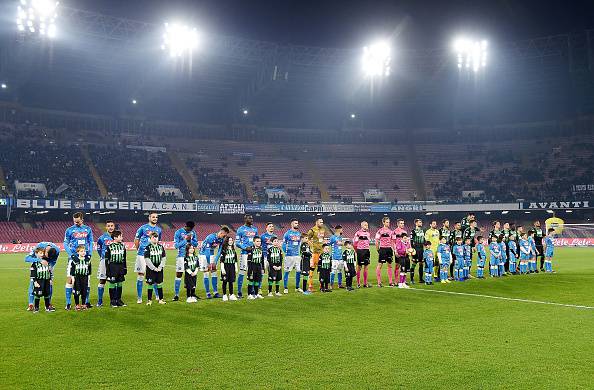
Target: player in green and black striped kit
[
  {"x": 79, "y": 269},
  {"x": 155, "y": 258},
  {"x": 115, "y": 267},
  {"x": 349, "y": 258},
  {"x": 191, "y": 264},
  {"x": 255, "y": 266},
  {"x": 306, "y": 255},
  {"x": 417, "y": 241},
  {"x": 324, "y": 268},
  {"x": 275, "y": 264},
  {"x": 41, "y": 277}
]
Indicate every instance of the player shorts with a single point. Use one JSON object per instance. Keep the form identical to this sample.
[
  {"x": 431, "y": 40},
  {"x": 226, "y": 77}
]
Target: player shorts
[
  {"x": 349, "y": 269},
  {"x": 385, "y": 255},
  {"x": 179, "y": 264},
  {"x": 243, "y": 260},
  {"x": 418, "y": 257},
  {"x": 254, "y": 272},
  {"x": 101, "y": 271},
  {"x": 363, "y": 257},
  {"x": 189, "y": 281},
  {"x": 115, "y": 272},
  {"x": 305, "y": 266},
  {"x": 80, "y": 284},
  {"x": 549, "y": 253},
  {"x": 44, "y": 288},
  {"x": 274, "y": 275},
  {"x": 153, "y": 277},
  {"x": 404, "y": 263},
  {"x": 140, "y": 266},
  {"x": 337, "y": 266},
  {"x": 293, "y": 262},
  {"x": 324, "y": 275},
  {"x": 229, "y": 275},
  {"x": 428, "y": 267},
  {"x": 207, "y": 263}
]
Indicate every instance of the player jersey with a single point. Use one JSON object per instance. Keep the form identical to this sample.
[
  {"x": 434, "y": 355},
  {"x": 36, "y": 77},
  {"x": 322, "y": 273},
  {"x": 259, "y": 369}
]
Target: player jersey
[
  {"x": 506, "y": 233},
  {"x": 538, "y": 235},
  {"x": 256, "y": 256},
  {"x": 190, "y": 263},
  {"x": 470, "y": 233},
  {"x": 480, "y": 250},
  {"x": 291, "y": 241},
  {"x": 503, "y": 250},
  {"x": 316, "y": 237},
  {"x": 428, "y": 257},
  {"x": 454, "y": 235},
  {"x": 336, "y": 242},
  {"x": 348, "y": 256},
  {"x": 550, "y": 245},
  {"x": 495, "y": 250},
  {"x": 513, "y": 250},
  {"x": 180, "y": 240},
  {"x": 532, "y": 245},
  {"x": 494, "y": 233},
  {"x": 155, "y": 253},
  {"x": 446, "y": 255},
  {"x": 78, "y": 266},
  {"x": 40, "y": 271},
  {"x": 102, "y": 242},
  {"x": 397, "y": 232},
  {"x": 229, "y": 256},
  {"x": 245, "y": 237},
  {"x": 31, "y": 258},
  {"x": 143, "y": 234},
  {"x": 445, "y": 232},
  {"x": 432, "y": 235},
  {"x": 210, "y": 243},
  {"x": 275, "y": 256},
  {"x": 361, "y": 240},
  {"x": 306, "y": 251},
  {"x": 115, "y": 253},
  {"x": 458, "y": 251},
  {"x": 524, "y": 249},
  {"x": 383, "y": 238},
  {"x": 417, "y": 237},
  {"x": 402, "y": 247},
  {"x": 467, "y": 252},
  {"x": 267, "y": 241},
  {"x": 76, "y": 236},
  {"x": 325, "y": 261}
]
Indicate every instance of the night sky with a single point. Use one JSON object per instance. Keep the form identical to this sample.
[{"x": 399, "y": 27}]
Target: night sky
[{"x": 350, "y": 24}]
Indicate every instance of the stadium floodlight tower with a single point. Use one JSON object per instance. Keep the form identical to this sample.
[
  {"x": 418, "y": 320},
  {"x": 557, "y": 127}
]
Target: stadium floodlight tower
[
  {"x": 471, "y": 54},
  {"x": 37, "y": 17},
  {"x": 377, "y": 59},
  {"x": 179, "y": 39}
]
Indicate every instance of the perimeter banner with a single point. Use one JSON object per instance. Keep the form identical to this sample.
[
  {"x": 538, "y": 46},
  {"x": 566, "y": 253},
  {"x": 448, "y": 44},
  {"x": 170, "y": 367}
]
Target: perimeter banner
[{"x": 26, "y": 248}]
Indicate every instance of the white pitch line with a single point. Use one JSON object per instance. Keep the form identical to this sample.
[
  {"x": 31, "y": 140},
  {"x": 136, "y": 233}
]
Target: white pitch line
[{"x": 505, "y": 298}]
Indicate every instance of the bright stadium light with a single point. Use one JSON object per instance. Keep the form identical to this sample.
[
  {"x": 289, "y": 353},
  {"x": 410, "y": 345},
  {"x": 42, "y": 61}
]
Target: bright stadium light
[
  {"x": 245, "y": 111},
  {"x": 134, "y": 101},
  {"x": 3, "y": 86},
  {"x": 37, "y": 16},
  {"x": 377, "y": 59},
  {"x": 353, "y": 116},
  {"x": 471, "y": 54},
  {"x": 179, "y": 39}
]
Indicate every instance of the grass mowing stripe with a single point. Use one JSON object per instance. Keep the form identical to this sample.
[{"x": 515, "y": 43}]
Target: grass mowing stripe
[{"x": 504, "y": 298}]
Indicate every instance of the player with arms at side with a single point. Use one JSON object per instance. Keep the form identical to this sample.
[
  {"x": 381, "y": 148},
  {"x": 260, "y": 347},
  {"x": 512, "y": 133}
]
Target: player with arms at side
[
  {"x": 316, "y": 237},
  {"x": 432, "y": 235},
  {"x": 336, "y": 242},
  {"x": 361, "y": 243},
  {"x": 115, "y": 268},
  {"x": 244, "y": 241},
  {"x": 291, "y": 242},
  {"x": 417, "y": 239},
  {"x": 77, "y": 235},
  {"x": 385, "y": 251},
  {"x": 181, "y": 239},
  {"x": 208, "y": 260},
  {"x": 102, "y": 243},
  {"x": 141, "y": 241}
]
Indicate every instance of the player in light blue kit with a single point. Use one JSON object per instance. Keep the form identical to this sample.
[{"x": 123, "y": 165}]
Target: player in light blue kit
[
  {"x": 533, "y": 253},
  {"x": 428, "y": 263},
  {"x": 267, "y": 237},
  {"x": 141, "y": 241},
  {"x": 458, "y": 251},
  {"x": 481, "y": 258},
  {"x": 444, "y": 256},
  {"x": 495, "y": 251},
  {"x": 524, "y": 253},
  {"x": 208, "y": 260},
  {"x": 103, "y": 242},
  {"x": 77, "y": 235},
  {"x": 503, "y": 259},
  {"x": 513, "y": 254},
  {"x": 52, "y": 252},
  {"x": 549, "y": 250},
  {"x": 181, "y": 238},
  {"x": 244, "y": 241},
  {"x": 291, "y": 245},
  {"x": 336, "y": 242}
]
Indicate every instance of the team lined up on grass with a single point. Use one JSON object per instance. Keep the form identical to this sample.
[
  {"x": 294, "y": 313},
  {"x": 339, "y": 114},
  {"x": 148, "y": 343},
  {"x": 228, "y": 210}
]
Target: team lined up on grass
[{"x": 441, "y": 255}]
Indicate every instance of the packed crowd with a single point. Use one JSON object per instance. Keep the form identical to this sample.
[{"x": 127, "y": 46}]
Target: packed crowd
[{"x": 442, "y": 254}]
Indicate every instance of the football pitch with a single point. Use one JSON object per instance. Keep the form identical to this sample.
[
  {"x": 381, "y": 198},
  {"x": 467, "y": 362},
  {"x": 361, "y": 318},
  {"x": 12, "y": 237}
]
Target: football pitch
[{"x": 426, "y": 337}]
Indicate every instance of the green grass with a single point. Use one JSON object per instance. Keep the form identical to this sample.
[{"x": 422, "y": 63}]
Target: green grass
[{"x": 372, "y": 338}]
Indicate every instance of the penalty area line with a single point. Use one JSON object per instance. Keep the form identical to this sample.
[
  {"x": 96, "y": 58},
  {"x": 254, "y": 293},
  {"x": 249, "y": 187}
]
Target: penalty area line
[{"x": 504, "y": 298}]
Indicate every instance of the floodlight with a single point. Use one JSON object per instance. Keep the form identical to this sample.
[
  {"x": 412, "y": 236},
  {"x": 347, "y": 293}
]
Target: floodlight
[
  {"x": 134, "y": 101},
  {"x": 471, "y": 54},
  {"x": 353, "y": 116},
  {"x": 179, "y": 39},
  {"x": 3, "y": 86},
  {"x": 377, "y": 58},
  {"x": 245, "y": 111},
  {"x": 37, "y": 16}
]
